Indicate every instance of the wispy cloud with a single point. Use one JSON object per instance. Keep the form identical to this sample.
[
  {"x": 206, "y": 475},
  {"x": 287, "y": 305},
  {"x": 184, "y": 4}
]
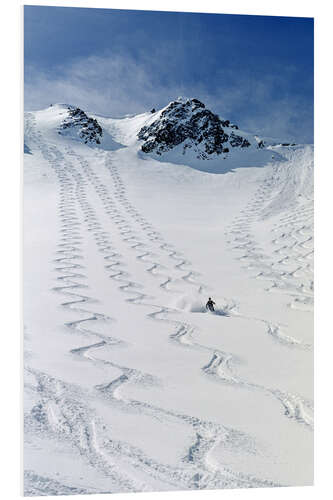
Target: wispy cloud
[
  {"x": 112, "y": 85},
  {"x": 118, "y": 85},
  {"x": 263, "y": 104}
]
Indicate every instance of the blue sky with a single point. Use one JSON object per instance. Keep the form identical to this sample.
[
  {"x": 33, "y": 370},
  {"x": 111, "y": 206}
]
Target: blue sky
[{"x": 255, "y": 70}]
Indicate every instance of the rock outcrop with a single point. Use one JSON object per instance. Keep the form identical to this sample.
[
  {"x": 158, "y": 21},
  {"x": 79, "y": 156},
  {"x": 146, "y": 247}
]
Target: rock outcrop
[
  {"x": 189, "y": 123},
  {"x": 88, "y": 129}
]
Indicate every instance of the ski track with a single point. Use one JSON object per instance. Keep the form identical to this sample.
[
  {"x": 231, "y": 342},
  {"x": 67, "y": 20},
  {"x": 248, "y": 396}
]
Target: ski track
[
  {"x": 52, "y": 411},
  {"x": 64, "y": 411},
  {"x": 291, "y": 271},
  {"x": 163, "y": 313}
]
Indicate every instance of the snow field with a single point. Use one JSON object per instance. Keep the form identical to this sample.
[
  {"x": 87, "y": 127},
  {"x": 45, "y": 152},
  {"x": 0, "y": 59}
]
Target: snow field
[{"x": 130, "y": 384}]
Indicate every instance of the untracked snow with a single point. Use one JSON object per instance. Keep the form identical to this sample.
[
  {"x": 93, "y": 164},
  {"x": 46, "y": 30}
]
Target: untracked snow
[{"x": 130, "y": 384}]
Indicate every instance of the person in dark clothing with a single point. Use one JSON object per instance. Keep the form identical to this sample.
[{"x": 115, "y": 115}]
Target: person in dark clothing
[{"x": 210, "y": 305}]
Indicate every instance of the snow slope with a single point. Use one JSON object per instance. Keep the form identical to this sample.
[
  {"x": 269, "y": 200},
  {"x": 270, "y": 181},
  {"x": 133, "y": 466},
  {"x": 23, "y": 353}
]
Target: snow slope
[{"x": 130, "y": 384}]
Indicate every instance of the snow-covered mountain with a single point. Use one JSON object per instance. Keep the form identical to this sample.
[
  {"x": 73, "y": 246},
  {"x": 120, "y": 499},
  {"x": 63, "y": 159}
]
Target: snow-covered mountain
[
  {"x": 188, "y": 123},
  {"x": 129, "y": 226},
  {"x": 182, "y": 132},
  {"x": 78, "y": 123}
]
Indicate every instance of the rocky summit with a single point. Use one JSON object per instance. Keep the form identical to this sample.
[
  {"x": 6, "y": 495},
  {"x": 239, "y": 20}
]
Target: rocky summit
[
  {"x": 88, "y": 129},
  {"x": 187, "y": 122}
]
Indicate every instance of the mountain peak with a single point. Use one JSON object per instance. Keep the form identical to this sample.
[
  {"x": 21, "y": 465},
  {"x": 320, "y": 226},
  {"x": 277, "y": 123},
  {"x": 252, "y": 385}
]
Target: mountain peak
[
  {"x": 77, "y": 122},
  {"x": 184, "y": 102},
  {"x": 187, "y": 121}
]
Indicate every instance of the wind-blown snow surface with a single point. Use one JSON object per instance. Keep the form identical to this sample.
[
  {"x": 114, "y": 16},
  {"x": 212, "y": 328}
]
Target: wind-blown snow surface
[{"x": 130, "y": 385}]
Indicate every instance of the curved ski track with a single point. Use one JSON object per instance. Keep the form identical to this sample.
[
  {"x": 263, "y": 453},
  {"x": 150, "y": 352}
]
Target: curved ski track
[
  {"x": 63, "y": 409},
  {"x": 294, "y": 406},
  {"x": 291, "y": 272}
]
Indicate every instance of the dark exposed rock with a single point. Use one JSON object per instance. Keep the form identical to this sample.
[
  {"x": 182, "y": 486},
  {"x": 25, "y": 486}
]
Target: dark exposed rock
[
  {"x": 225, "y": 123},
  {"x": 153, "y": 110},
  {"x": 189, "y": 122},
  {"x": 238, "y": 141},
  {"x": 88, "y": 128}
]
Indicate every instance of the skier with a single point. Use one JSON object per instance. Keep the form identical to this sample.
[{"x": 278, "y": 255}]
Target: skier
[{"x": 210, "y": 304}]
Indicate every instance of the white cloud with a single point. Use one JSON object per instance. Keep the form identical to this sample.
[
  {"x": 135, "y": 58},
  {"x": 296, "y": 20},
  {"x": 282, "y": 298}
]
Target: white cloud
[
  {"x": 117, "y": 85},
  {"x": 107, "y": 85}
]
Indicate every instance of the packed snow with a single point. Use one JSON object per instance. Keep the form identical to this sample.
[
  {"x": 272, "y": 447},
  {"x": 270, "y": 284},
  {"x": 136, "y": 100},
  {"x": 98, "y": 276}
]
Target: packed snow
[{"x": 131, "y": 384}]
